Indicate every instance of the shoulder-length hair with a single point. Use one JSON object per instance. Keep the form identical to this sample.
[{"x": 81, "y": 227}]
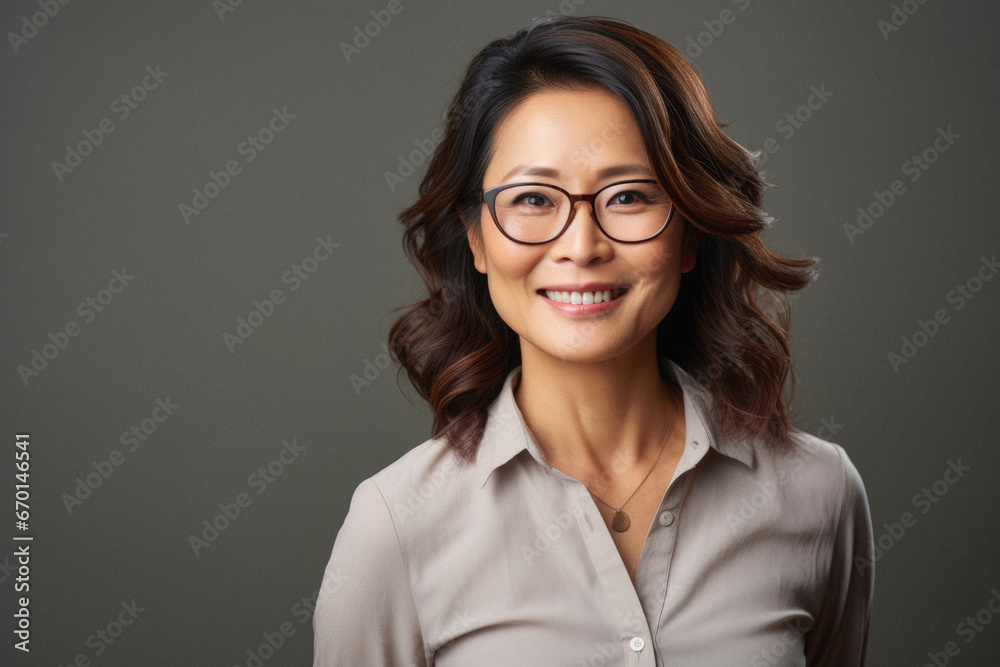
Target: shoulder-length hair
[{"x": 456, "y": 349}]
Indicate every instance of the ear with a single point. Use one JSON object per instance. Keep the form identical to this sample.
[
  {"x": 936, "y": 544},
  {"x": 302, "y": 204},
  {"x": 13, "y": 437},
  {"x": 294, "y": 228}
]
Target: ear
[
  {"x": 692, "y": 239},
  {"x": 474, "y": 236}
]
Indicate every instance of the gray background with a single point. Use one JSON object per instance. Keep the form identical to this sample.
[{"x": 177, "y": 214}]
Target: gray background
[{"x": 324, "y": 176}]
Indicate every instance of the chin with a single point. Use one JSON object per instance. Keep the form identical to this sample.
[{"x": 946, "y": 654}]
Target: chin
[{"x": 576, "y": 353}]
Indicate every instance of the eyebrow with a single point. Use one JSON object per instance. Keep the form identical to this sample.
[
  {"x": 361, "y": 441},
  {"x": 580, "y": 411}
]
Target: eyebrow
[{"x": 608, "y": 172}]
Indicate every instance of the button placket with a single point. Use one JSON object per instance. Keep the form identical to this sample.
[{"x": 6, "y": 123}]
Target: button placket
[
  {"x": 625, "y": 606},
  {"x": 659, "y": 548}
]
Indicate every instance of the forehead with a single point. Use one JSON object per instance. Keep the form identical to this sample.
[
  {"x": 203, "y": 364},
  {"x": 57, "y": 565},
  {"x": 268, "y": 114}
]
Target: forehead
[{"x": 574, "y": 133}]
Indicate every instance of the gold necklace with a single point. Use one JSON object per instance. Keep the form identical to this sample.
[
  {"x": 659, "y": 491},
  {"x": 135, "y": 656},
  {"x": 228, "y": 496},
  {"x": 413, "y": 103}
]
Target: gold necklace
[{"x": 620, "y": 522}]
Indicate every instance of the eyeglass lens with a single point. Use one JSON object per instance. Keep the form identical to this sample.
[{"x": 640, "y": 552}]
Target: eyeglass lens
[{"x": 626, "y": 212}]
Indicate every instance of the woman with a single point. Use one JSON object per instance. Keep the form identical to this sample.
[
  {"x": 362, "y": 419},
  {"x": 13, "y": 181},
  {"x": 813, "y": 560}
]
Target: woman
[{"x": 613, "y": 478}]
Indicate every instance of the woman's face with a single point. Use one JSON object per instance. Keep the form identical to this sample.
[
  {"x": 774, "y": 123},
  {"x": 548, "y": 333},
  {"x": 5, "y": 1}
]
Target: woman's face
[{"x": 578, "y": 137}]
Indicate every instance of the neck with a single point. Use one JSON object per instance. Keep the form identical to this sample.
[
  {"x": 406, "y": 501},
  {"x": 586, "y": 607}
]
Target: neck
[{"x": 603, "y": 416}]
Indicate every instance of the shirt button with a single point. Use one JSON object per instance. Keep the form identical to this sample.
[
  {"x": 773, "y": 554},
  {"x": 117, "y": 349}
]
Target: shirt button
[
  {"x": 666, "y": 518},
  {"x": 637, "y": 643}
]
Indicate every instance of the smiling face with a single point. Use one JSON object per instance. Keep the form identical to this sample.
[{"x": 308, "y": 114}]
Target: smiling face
[{"x": 580, "y": 140}]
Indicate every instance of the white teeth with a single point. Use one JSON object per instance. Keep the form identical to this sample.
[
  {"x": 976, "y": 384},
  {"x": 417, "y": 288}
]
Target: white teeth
[{"x": 584, "y": 298}]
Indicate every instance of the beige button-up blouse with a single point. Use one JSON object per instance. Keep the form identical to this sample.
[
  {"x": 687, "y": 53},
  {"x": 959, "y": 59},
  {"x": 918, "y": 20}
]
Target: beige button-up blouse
[{"x": 752, "y": 559}]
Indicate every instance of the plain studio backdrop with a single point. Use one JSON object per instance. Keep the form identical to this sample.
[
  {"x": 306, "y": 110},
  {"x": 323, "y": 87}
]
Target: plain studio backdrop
[{"x": 201, "y": 255}]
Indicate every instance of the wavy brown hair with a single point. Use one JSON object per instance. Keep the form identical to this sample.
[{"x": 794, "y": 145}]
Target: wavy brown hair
[{"x": 455, "y": 348}]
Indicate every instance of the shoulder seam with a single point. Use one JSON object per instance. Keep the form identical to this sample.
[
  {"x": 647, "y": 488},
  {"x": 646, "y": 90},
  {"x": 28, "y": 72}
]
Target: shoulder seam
[
  {"x": 406, "y": 564},
  {"x": 843, "y": 484},
  {"x": 836, "y": 527}
]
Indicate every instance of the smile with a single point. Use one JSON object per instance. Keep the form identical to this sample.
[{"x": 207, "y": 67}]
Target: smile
[{"x": 585, "y": 298}]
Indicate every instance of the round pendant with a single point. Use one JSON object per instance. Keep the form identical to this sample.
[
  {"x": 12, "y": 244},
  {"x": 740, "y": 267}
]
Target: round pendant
[{"x": 620, "y": 522}]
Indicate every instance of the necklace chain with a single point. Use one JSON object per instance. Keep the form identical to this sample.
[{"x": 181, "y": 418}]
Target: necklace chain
[{"x": 621, "y": 522}]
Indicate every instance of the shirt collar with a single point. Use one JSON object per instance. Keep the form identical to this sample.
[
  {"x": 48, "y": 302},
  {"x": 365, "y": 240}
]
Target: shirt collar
[{"x": 507, "y": 435}]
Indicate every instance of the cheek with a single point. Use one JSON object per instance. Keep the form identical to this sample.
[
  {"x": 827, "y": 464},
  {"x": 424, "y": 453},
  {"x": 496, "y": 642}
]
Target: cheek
[
  {"x": 506, "y": 261},
  {"x": 669, "y": 254},
  {"x": 658, "y": 264},
  {"x": 508, "y": 268}
]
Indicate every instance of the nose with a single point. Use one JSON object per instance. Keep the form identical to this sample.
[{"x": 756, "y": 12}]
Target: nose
[{"x": 583, "y": 242}]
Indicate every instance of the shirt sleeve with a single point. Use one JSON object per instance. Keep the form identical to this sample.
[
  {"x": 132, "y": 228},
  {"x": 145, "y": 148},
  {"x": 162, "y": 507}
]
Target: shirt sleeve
[
  {"x": 365, "y": 613},
  {"x": 840, "y": 636}
]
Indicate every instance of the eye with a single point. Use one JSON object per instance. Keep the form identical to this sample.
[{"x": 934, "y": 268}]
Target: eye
[
  {"x": 532, "y": 199},
  {"x": 628, "y": 198}
]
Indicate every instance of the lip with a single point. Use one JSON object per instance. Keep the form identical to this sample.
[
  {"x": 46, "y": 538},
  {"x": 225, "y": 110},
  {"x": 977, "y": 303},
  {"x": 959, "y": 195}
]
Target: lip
[
  {"x": 582, "y": 287},
  {"x": 582, "y": 309}
]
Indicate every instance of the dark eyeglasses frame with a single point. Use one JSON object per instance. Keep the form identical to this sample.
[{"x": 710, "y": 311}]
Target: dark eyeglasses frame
[{"x": 489, "y": 197}]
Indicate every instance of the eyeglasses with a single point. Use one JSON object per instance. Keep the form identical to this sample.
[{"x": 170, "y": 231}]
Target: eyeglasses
[{"x": 534, "y": 213}]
